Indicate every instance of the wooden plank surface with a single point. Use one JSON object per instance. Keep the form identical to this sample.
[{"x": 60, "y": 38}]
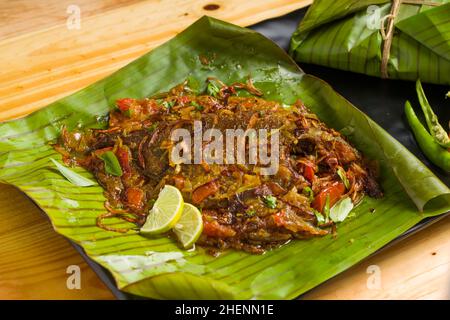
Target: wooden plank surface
[
  {"x": 34, "y": 258},
  {"x": 42, "y": 60},
  {"x": 44, "y": 64}
]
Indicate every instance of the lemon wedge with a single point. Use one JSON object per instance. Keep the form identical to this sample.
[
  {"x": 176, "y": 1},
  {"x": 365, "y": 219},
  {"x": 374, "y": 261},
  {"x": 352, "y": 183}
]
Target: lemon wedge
[
  {"x": 189, "y": 227},
  {"x": 165, "y": 213}
]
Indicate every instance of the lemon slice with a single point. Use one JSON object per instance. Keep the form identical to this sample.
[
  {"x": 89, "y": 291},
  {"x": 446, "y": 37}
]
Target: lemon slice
[
  {"x": 165, "y": 212},
  {"x": 190, "y": 226}
]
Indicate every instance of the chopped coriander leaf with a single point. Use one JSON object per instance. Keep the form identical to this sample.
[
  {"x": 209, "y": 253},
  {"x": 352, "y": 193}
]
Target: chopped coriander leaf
[
  {"x": 307, "y": 191},
  {"x": 128, "y": 113},
  {"x": 152, "y": 127},
  {"x": 197, "y": 106},
  {"x": 250, "y": 212},
  {"x": 212, "y": 89},
  {"x": 168, "y": 104},
  {"x": 270, "y": 201}
]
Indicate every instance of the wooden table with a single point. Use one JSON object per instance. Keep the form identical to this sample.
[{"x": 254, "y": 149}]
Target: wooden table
[{"x": 43, "y": 60}]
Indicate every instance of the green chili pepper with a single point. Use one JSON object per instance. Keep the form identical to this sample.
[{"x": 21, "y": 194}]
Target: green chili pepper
[
  {"x": 341, "y": 173},
  {"x": 320, "y": 217},
  {"x": 433, "y": 150},
  {"x": 435, "y": 128}
]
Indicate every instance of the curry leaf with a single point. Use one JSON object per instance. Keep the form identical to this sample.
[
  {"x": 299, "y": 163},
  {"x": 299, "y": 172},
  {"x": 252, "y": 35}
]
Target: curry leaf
[
  {"x": 112, "y": 165},
  {"x": 72, "y": 176}
]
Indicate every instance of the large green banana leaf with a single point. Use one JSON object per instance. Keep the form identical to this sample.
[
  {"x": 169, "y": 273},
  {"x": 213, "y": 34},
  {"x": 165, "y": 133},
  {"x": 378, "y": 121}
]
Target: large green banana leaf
[
  {"x": 157, "y": 267},
  {"x": 345, "y": 34}
]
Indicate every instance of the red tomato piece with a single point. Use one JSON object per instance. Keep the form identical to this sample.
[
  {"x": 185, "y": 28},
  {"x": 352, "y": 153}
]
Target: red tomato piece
[
  {"x": 278, "y": 218},
  {"x": 334, "y": 191},
  {"x": 184, "y": 100},
  {"x": 308, "y": 172},
  {"x": 135, "y": 197},
  {"x": 125, "y": 104}
]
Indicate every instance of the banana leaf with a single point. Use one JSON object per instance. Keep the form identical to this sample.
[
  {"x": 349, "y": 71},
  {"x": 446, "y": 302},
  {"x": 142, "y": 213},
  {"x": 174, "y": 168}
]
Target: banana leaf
[
  {"x": 158, "y": 267},
  {"x": 346, "y": 34}
]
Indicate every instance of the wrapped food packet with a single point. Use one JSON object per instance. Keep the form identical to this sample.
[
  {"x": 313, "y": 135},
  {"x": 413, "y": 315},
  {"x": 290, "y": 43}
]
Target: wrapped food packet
[{"x": 399, "y": 39}]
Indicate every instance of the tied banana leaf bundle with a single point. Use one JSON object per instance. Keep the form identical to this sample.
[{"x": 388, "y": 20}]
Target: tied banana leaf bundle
[
  {"x": 399, "y": 39},
  {"x": 157, "y": 267}
]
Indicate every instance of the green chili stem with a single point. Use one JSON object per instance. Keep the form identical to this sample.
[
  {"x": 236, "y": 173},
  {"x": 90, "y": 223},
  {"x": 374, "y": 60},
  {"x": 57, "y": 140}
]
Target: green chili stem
[
  {"x": 433, "y": 150},
  {"x": 435, "y": 128}
]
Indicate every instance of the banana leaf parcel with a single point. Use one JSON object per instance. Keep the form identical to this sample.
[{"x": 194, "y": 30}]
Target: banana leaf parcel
[
  {"x": 389, "y": 39},
  {"x": 157, "y": 267}
]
